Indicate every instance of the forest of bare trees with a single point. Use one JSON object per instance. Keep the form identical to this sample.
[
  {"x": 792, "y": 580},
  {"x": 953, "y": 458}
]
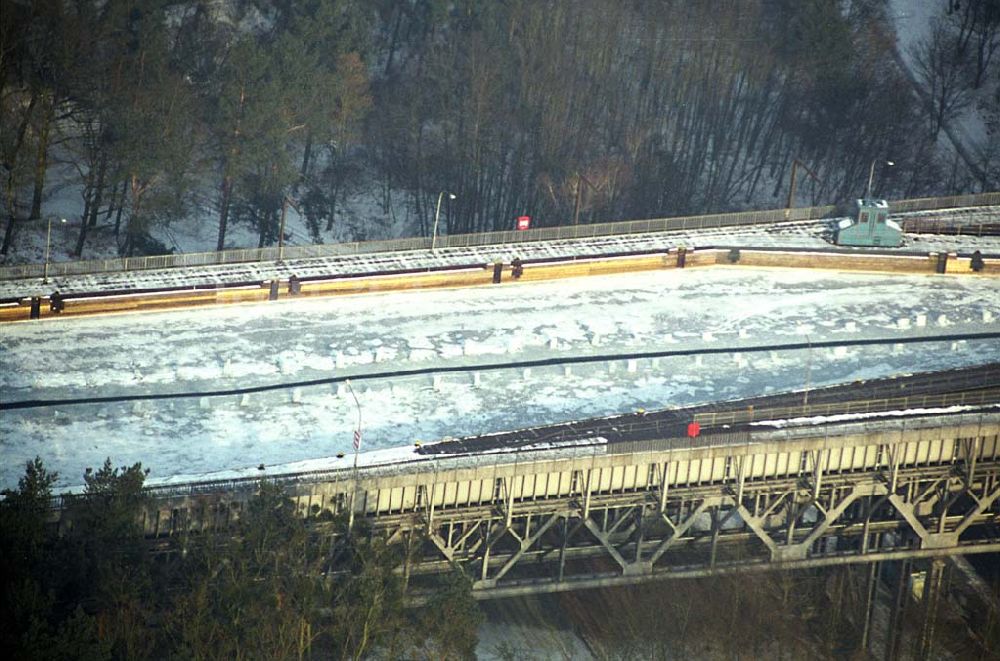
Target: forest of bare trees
[{"x": 580, "y": 111}]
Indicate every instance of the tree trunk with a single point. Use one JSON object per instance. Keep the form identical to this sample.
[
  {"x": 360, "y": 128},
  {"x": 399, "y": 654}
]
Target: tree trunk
[
  {"x": 227, "y": 191},
  {"x": 41, "y": 163},
  {"x": 98, "y": 191},
  {"x": 392, "y": 42},
  {"x": 8, "y": 235},
  {"x": 10, "y": 192},
  {"x": 263, "y": 218},
  {"x": 306, "y": 156},
  {"x": 334, "y": 193},
  {"x": 121, "y": 207},
  {"x": 88, "y": 202}
]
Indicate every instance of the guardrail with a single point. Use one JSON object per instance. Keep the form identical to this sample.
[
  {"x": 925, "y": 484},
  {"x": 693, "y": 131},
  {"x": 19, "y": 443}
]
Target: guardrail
[
  {"x": 565, "y": 232},
  {"x": 883, "y": 405}
]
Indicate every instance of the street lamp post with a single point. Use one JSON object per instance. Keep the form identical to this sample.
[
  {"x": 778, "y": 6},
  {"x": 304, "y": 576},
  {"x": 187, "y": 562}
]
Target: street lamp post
[
  {"x": 357, "y": 449},
  {"x": 48, "y": 246},
  {"x": 809, "y": 355},
  {"x": 871, "y": 176},
  {"x": 437, "y": 216}
]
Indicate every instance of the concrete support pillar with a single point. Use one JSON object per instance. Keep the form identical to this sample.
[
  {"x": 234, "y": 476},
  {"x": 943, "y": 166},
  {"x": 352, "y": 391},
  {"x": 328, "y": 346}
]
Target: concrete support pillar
[
  {"x": 871, "y": 599},
  {"x": 929, "y": 605},
  {"x": 897, "y": 611}
]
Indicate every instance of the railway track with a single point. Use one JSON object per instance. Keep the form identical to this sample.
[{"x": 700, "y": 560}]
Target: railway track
[
  {"x": 980, "y": 383},
  {"x": 951, "y": 228},
  {"x": 976, "y": 386}
]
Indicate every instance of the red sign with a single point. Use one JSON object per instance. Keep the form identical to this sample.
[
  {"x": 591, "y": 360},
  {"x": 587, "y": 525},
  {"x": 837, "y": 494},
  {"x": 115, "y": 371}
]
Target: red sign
[
  {"x": 694, "y": 429},
  {"x": 523, "y": 222}
]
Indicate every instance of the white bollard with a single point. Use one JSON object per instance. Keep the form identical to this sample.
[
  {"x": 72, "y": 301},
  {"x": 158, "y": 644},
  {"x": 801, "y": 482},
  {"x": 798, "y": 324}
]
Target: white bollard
[
  {"x": 339, "y": 360},
  {"x": 632, "y": 365},
  {"x": 987, "y": 316},
  {"x": 744, "y": 334},
  {"x": 436, "y": 382},
  {"x": 897, "y": 349},
  {"x": 553, "y": 343},
  {"x": 204, "y": 403},
  {"x": 527, "y": 373},
  {"x": 567, "y": 370},
  {"x": 921, "y": 320},
  {"x": 654, "y": 363},
  {"x": 296, "y": 395},
  {"x": 698, "y": 360},
  {"x": 245, "y": 400},
  {"x": 476, "y": 380},
  {"x": 943, "y": 320},
  {"x": 851, "y": 327},
  {"x": 707, "y": 336},
  {"x": 903, "y": 324},
  {"x": 595, "y": 341}
]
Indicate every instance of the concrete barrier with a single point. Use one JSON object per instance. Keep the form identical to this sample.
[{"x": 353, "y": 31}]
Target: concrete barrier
[{"x": 475, "y": 277}]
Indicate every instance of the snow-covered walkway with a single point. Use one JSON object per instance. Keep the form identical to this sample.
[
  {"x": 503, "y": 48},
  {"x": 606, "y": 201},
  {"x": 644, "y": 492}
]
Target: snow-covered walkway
[{"x": 795, "y": 235}]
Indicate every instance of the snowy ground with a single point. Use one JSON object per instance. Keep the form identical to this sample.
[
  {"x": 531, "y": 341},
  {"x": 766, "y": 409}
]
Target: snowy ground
[
  {"x": 914, "y": 22},
  {"x": 283, "y": 342}
]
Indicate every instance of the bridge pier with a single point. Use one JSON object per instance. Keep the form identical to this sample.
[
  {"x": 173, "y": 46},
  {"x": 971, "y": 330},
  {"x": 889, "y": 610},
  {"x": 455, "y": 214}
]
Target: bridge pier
[
  {"x": 930, "y": 602},
  {"x": 897, "y": 611}
]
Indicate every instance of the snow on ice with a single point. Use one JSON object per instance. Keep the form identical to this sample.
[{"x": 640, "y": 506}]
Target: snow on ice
[{"x": 277, "y": 343}]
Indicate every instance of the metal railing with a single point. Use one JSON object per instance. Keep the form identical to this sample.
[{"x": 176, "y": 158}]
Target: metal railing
[
  {"x": 560, "y": 233},
  {"x": 970, "y": 398}
]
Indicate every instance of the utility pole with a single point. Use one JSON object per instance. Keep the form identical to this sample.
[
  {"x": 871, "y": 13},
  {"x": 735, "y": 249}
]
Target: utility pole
[
  {"x": 285, "y": 201},
  {"x": 357, "y": 449}
]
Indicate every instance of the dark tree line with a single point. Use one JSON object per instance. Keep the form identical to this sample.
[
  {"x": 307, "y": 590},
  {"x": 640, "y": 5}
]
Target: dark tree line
[
  {"x": 96, "y": 591},
  {"x": 568, "y": 111}
]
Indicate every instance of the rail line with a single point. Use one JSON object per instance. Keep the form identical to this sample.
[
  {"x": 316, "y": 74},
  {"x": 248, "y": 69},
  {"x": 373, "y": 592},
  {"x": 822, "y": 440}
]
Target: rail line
[
  {"x": 973, "y": 386},
  {"x": 633, "y": 432}
]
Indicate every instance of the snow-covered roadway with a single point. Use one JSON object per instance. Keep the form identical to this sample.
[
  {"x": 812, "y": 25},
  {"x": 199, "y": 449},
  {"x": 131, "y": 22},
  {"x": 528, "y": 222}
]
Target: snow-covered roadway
[{"x": 245, "y": 345}]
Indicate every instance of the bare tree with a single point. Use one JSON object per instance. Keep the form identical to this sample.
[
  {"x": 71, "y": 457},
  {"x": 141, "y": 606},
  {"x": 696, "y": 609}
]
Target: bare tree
[{"x": 940, "y": 71}]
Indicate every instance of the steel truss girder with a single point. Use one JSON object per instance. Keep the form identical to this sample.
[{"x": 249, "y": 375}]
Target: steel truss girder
[{"x": 823, "y": 521}]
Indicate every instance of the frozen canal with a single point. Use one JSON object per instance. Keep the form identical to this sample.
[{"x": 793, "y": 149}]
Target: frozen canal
[{"x": 287, "y": 342}]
